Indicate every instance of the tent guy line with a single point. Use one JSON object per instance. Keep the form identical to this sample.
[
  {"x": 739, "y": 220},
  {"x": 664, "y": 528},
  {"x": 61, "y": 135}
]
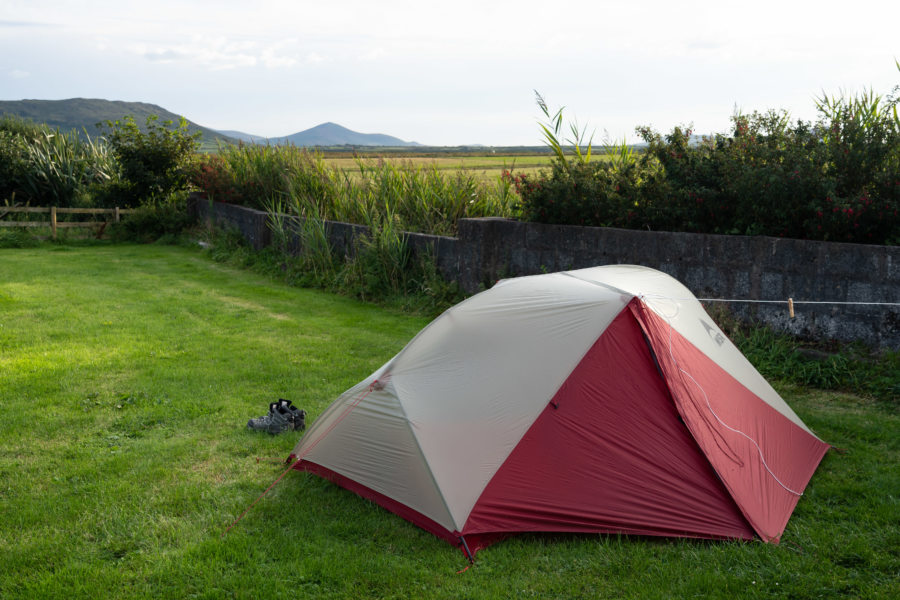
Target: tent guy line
[
  {"x": 762, "y": 458},
  {"x": 294, "y": 460},
  {"x": 260, "y": 497},
  {"x": 668, "y": 319}
]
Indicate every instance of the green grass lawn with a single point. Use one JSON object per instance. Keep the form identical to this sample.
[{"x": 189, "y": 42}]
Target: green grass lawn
[{"x": 127, "y": 375}]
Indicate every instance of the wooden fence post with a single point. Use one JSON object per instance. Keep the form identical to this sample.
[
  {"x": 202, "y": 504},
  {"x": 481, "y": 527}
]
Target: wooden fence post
[
  {"x": 53, "y": 220},
  {"x": 117, "y": 214}
]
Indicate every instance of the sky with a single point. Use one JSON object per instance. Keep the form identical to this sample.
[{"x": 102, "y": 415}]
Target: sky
[{"x": 451, "y": 73}]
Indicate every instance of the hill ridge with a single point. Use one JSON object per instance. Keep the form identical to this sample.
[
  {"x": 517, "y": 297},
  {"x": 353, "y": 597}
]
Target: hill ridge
[
  {"x": 325, "y": 134},
  {"x": 83, "y": 114}
]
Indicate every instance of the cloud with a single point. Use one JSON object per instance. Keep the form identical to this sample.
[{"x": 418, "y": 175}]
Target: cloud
[
  {"x": 167, "y": 55},
  {"x": 26, "y": 24},
  {"x": 271, "y": 60},
  {"x": 19, "y": 74},
  {"x": 220, "y": 54},
  {"x": 373, "y": 55},
  {"x": 273, "y": 56},
  {"x": 705, "y": 44}
]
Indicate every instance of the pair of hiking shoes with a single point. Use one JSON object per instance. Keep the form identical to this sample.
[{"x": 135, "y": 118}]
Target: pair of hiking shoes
[{"x": 283, "y": 416}]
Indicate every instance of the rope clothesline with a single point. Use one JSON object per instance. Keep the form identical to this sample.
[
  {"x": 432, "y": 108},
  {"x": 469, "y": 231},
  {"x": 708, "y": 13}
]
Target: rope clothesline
[{"x": 789, "y": 301}]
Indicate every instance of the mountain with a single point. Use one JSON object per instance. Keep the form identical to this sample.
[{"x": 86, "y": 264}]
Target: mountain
[
  {"x": 332, "y": 134},
  {"x": 84, "y": 114},
  {"x": 243, "y": 137}
]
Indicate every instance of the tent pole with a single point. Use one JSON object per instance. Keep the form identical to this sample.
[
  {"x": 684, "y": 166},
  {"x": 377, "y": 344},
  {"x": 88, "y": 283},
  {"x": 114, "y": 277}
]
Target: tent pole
[{"x": 466, "y": 550}]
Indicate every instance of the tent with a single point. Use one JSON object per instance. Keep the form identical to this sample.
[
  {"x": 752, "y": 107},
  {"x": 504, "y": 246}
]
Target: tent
[{"x": 593, "y": 400}]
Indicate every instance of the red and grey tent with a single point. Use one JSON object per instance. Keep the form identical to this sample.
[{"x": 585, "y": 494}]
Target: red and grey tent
[{"x": 594, "y": 400}]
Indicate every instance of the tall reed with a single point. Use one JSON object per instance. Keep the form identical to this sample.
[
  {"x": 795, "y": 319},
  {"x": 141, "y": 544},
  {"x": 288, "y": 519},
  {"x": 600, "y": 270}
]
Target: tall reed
[
  {"x": 416, "y": 198},
  {"x": 300, "y": 191}
]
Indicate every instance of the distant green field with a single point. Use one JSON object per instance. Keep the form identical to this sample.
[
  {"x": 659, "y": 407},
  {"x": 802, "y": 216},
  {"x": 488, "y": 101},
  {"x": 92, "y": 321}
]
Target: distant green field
[
  {"x": 127, "y": 374},
  {"x": 485, "y": 164},
  {"x": 488, "y": 166}
]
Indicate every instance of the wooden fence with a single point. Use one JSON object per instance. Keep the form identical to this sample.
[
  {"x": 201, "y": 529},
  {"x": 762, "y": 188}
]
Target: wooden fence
[{"x": 55, "y": 224}]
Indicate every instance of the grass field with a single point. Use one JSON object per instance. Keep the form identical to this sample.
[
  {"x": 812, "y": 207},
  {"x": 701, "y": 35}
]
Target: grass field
[
  {"x": 484, "y": 166},
  {"x": 487, "y": 167},
  {"x": 127, "y": 374}
]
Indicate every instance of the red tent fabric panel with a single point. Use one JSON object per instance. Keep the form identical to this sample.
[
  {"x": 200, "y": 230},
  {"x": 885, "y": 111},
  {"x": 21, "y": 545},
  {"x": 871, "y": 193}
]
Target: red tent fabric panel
[
  {"x": 763, "y": 458},
  {"x": 609, "y": 454}
]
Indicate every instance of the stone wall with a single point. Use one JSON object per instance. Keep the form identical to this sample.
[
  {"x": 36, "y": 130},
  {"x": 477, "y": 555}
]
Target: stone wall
[{"x": 711, "y": 266}]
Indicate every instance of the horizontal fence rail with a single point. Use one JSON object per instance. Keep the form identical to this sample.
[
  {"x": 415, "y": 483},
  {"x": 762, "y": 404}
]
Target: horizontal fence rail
[{"x": 55, "y": 224}]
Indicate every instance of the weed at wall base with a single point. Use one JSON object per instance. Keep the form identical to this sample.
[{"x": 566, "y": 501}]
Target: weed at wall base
[
  {"x": 848, "y": 368},
  {"x": 382, "y": 268}
]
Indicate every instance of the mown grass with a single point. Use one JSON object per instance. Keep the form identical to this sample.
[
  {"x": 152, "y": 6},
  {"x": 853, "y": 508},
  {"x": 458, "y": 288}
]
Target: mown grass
[{"x": 127, "y": 374}]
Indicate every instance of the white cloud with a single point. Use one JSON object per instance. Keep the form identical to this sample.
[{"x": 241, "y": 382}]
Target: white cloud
[
  {"x": 25, "y": 24},
  {"x": 279, "y": 55},
  {"x": 19, "y": 74},
  {"x": 271, "y": 60},
  {"x": 373, "y": 55},
  {"x": 164, "y": 55},
  {"x": 220, "y": 54}
]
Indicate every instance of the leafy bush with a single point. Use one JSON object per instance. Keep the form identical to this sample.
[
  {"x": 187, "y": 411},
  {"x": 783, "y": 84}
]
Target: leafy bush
[
  {"x": 836, "y": 179},
  {"x": 46, "y": 167},
  {"x": 210, "y": 173},
  {"x": 154, "y": 222},
  {"x": 154, "y": 163},
  {"x": 770, "y": 177},
  {"x": 590, "y": 194},
  {"x": 577, "y": 190}
]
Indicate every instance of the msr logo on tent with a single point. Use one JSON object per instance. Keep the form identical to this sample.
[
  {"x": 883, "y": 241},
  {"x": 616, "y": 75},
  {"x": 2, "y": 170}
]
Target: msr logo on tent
[{"x": 716, "y": 336}]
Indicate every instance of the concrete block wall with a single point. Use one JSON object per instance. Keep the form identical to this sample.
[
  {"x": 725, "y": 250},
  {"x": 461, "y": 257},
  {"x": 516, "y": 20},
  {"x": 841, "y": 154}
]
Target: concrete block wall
[
  {"x": 716, "y": 266},
  {"x": 711, "y": 266}
]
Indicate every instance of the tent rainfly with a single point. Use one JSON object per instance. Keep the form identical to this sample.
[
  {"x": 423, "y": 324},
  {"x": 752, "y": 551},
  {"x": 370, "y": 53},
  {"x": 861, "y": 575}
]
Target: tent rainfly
[{"x": 594, "y": 400}]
